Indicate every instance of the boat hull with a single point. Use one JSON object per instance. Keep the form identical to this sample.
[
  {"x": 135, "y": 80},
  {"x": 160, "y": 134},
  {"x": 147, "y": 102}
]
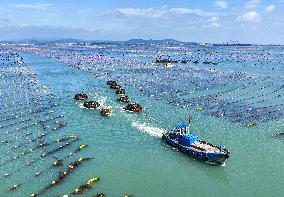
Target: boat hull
[{"x": 106, "y": 114}]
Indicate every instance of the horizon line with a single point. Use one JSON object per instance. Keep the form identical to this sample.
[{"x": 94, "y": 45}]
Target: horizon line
[{"x": 142, "y": 39}]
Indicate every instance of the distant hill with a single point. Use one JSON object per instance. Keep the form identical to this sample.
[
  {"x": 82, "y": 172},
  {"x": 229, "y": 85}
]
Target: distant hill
[
  {"x": 164, "y": 41},
  {"x": 79, "y": 42}
]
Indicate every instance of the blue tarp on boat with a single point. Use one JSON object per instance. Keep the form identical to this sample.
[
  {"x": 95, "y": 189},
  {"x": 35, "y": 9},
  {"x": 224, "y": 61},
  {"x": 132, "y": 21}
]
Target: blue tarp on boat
[
  {"x": 181, "y": 126},
  {"x": 188, "y": 139}
]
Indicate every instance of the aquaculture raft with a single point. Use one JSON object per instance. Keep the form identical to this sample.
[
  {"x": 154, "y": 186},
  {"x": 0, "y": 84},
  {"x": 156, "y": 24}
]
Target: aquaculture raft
[{"x": 190, "y": 144}]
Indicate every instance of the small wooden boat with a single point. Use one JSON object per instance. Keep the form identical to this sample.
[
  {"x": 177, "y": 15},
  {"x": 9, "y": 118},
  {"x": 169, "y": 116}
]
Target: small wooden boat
[
  {"x": 278, "y": 134},
  {"x": 193, "y": 146},
  {"x": 114, "y": 86},
  {"x": 168, "y": 65},
  {"x": 91, "y": 104},
  {"x": 124, "y": 99},
  {"x": 106, "y": 112},
  {"x": 133, "y": 107},
  {"x": 120, "y": 91},
  {"x": 100, "y": 195},
  {"x": 81, "y": 96},
  {"x": 165, "y": 61},
  {"x": 111, "y": 83}
]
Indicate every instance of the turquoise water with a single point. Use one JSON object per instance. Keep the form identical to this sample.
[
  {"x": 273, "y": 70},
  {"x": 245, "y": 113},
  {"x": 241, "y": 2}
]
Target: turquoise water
[{"x": 128, "y": 154}]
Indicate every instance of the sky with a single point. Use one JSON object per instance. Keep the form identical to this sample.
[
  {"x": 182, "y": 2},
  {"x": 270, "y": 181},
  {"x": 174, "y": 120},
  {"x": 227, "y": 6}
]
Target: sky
[{"x": 215, "y": 21}]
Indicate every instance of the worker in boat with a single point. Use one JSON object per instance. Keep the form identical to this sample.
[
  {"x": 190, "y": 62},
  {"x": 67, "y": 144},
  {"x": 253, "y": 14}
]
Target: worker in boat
[
  {"x": 7, "y": 174},
  {"x": 38, "y": 173},
  {"x": 15, "y": 187},
  {"x": 278, "y": 134},
  {"x": 100, "y": 195},
  {"x": 189, "y": 118},
  {"x": 58, "y": 162}
]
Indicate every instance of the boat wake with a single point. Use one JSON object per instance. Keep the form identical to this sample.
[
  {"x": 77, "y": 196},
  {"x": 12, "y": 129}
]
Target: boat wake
[
  {"x": 102, "y": 100},
  {"x": 82, "y": 106},
  {"x": 144, "y": 127}
]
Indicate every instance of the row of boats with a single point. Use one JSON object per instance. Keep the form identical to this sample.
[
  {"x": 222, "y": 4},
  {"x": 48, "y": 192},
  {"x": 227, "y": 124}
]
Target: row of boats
[
  {"x": 183, "y": 61},
  {"x": 132, "y": 107},
  {"x": 92, "y": 104}
]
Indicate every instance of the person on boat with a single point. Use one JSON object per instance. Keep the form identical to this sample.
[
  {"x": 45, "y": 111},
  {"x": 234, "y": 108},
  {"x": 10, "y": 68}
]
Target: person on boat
[
  {"x": 58, "y": 162},
  {"x": 15, "y": 187},
  {"x": 100, "y": 195},
  {"x": 189, "y": 118}
]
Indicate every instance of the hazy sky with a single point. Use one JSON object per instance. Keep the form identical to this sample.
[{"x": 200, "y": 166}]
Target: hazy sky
[{"x": 254, "y": 21}]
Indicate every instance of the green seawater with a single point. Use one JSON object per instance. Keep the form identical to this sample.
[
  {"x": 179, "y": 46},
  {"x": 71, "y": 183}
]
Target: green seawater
[{"x": 129, "y": 156}]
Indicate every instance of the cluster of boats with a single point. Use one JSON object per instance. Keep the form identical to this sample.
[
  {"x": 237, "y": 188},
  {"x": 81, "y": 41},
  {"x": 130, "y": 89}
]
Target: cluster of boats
[
  {"x": 183, "y": 61},
  {"x": 92, "y": 104},
  {"x": 169, "y": 62},
  {"x": 210, "y": 62},
  {"x": 132, "y": 107}
]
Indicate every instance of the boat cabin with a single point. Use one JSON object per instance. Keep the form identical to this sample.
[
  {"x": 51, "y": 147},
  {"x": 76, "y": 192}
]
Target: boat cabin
[
  {"x": 184, "y": 136},
  {"x": 181, "y": 129}
]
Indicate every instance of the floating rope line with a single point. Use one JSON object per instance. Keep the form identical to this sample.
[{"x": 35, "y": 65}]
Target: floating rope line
[
  {"x": 59, "y": 162},
  {"x": 43, "y": 145},
  {"x": 86, "y": 186},
  {"x": 40, "y": 137},
  {"x": 31, "y": 150},
  {"x": 62, "y": 175}
]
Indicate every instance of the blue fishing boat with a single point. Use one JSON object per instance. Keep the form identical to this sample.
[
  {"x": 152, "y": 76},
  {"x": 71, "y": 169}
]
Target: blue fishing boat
[{"x": 183, "y": 140}]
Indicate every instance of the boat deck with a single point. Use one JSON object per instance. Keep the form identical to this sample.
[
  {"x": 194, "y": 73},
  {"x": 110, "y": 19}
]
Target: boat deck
[{"x": 206, "y": 147}]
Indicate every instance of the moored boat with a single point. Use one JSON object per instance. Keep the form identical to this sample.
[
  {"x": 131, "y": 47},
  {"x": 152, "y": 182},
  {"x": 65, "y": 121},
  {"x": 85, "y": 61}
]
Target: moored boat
[
  {"x": 192, "y": 145},
  {"x": 169, "y": 65},
  {"x": 278, "y": 134}
]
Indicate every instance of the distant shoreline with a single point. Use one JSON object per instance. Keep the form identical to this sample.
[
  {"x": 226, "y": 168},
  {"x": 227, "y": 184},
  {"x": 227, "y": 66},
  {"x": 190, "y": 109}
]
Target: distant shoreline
[{"x": 78, "y": 42}]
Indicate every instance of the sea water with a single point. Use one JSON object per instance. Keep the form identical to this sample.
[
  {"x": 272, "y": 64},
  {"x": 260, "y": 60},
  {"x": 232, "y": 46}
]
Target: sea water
[{"x": 129, "y": 156}]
